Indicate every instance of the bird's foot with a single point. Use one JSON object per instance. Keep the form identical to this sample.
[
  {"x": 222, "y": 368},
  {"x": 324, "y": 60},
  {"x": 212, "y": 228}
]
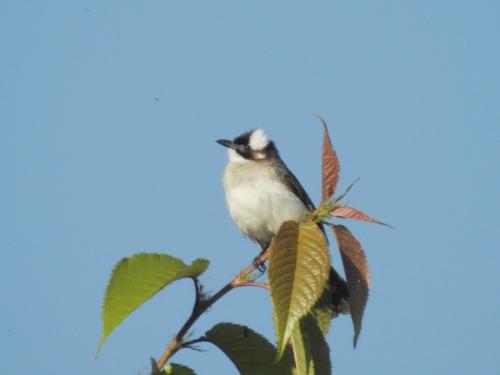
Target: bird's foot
[{"x": 259, "y": 265}]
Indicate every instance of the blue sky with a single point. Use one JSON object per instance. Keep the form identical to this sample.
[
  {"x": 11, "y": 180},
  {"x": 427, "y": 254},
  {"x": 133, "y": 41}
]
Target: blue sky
[{"x": 109, "y": 113}]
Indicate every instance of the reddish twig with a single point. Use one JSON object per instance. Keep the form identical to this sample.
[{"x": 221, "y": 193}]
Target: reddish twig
[{"x": 258, "y": 285}]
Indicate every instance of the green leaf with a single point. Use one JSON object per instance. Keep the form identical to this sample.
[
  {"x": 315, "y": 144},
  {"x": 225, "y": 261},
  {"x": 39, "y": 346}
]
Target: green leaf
[
  {"x": 299, "y": 265},
  {"x": 176, "y": 369},
  {"x": 310, "y": 349},
  {"x": 333, "y": 301},
  {"x": 323, "y": 313},
  {"x": 251, "y": 353},
  {"x": 154, "y": 367},
  {"x": 136, "y": 279}
]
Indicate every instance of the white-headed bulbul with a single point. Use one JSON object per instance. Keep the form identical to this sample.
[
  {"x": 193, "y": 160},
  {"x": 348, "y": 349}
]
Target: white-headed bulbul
[{"x": 262, "y": 193}]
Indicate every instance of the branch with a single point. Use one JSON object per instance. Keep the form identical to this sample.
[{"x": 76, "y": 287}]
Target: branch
[{"x": 201, "y": 306}]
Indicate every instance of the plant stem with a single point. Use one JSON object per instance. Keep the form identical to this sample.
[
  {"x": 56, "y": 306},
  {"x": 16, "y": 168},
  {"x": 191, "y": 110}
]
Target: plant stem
[
  {"x": 190, "y": 343},
  {"x": 258, "y": 285},
  {"x": 201, "y": 306}
]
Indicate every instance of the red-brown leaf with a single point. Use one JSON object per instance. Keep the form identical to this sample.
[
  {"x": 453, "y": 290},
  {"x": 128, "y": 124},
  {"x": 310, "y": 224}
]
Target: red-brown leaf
[
  {"x": 354, "y": 213},
  {"x": 330, "y": 165},
  {"x": 357, "y": 274}
]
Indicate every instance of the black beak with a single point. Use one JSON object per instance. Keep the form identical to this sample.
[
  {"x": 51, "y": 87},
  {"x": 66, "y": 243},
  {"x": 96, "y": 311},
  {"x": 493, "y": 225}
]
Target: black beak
[{"x": 225, "y": 143}]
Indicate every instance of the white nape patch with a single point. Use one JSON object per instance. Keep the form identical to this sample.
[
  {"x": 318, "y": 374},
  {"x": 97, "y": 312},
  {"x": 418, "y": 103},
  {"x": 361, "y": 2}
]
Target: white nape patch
[{"x": 258, "y": 140}]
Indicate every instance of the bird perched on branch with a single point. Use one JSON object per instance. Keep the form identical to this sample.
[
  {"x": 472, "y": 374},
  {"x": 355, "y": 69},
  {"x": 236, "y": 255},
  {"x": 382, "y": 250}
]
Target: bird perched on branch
[{"x": 262, "y": 193}]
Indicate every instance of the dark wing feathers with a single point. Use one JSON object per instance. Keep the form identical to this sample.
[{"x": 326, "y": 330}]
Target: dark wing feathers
[{"x": 294, "y": 185}]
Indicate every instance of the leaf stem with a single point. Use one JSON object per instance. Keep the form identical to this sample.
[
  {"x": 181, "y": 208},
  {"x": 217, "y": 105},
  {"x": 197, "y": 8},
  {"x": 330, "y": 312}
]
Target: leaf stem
[
  {"x": 190, "y": 344},
  {"x": 258, "y": 285},
  {"x": 201, "y": 306}
]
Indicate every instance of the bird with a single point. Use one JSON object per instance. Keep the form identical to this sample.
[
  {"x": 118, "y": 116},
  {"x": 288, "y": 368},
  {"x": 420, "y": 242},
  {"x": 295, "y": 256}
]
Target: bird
[{"x": 262, "y": 193}]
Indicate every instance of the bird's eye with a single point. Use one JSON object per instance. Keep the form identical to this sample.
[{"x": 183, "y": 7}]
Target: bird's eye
[{"x": 247, "y": 147}]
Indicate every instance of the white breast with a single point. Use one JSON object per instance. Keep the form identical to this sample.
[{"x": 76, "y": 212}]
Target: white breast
[{"x": 258, "y": 201}]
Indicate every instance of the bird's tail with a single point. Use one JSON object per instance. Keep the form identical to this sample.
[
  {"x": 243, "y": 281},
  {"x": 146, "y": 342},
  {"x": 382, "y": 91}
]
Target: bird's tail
[{"x": 339, "y": 293}]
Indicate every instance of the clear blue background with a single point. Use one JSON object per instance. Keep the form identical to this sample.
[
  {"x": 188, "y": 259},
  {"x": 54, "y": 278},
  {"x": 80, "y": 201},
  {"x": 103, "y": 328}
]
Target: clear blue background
[{"x": 109, "y": 111}]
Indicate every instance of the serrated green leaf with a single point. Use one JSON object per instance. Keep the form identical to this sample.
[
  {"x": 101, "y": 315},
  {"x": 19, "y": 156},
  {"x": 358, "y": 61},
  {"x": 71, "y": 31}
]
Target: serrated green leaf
[
  {"x": 323, "y": 311},
  {"x": 333, "y": 301},
  {"x": 323, "y": 314},
  {"x": 136, "y": 279},
  {"x": 176, "y": 369},
  {"x": 299, "y": 265},
  {"x": 310, "y": 349},
  {"x": 251, "y": 353}
]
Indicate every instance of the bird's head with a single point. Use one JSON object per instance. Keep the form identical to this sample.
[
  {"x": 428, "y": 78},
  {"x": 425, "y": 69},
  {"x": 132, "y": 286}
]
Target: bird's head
[{"x": 250, "y": 146}]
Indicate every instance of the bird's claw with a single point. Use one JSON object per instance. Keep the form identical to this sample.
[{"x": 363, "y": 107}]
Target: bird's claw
[{"x": 259, "y": 265}]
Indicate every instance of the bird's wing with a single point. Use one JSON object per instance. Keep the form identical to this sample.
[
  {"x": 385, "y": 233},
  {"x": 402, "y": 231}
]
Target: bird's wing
[{"x": 294, "y": 185}]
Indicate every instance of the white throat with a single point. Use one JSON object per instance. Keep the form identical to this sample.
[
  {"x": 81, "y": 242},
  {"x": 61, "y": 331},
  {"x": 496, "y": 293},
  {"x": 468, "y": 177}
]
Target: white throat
[{"x": 234, "y": 157}]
